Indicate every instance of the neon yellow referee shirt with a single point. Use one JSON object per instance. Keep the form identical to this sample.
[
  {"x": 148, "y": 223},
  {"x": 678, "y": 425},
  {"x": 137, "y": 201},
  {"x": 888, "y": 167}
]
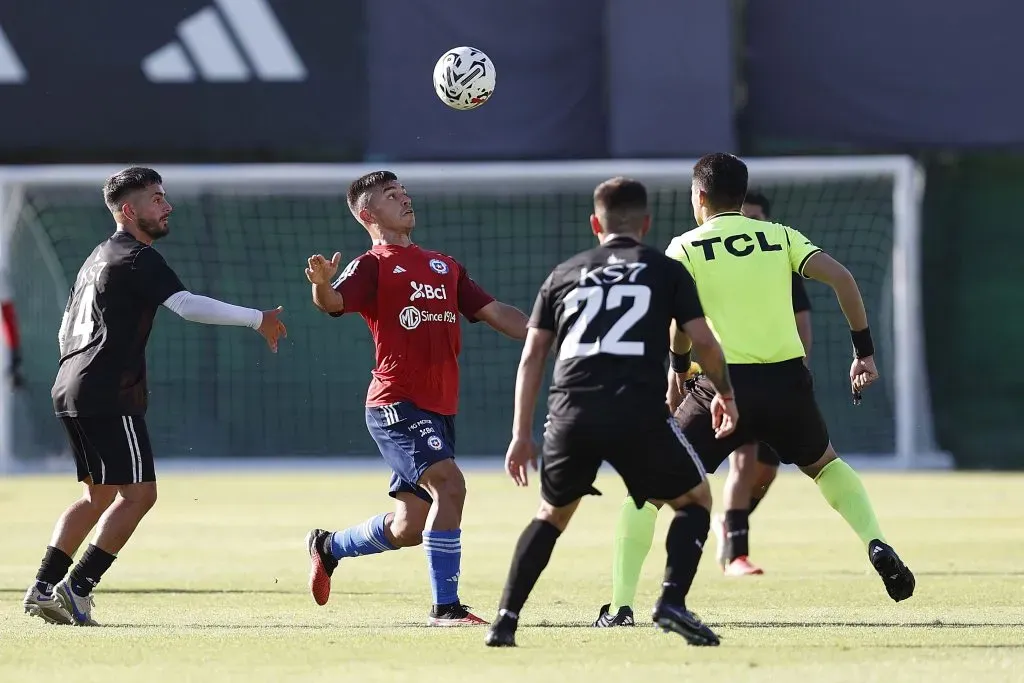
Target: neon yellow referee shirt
[{"x": 743, "y": 270}]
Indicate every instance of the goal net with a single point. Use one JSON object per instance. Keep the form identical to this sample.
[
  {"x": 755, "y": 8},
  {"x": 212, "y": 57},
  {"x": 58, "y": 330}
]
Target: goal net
[{"x": 243, "y": 233}]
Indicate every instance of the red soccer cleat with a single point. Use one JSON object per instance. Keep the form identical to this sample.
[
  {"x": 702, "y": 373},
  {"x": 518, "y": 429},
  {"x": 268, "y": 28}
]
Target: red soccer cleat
[
  {"x": 321, "y": 566},
  {"x": 454, "y": 615},
  {"x": 742, "y": 566}
]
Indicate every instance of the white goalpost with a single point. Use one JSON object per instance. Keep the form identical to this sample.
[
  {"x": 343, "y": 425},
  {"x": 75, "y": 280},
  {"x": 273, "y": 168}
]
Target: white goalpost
[{"x": 240, "y": 228}]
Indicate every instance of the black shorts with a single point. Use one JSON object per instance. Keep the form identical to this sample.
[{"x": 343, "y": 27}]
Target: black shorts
[
  {"x": 653, "y": 459},
  {"x": 777, "y": 407},
  {"x": 111, "y": 450}
]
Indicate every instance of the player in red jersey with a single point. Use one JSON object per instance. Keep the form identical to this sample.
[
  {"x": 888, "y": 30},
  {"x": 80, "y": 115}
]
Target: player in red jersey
[{"x": 411, "y": 299}]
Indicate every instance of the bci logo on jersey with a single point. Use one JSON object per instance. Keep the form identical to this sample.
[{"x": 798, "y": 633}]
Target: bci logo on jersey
[
  {"x": 425, "y": 291},
  {"x": 737, "y": 245}
]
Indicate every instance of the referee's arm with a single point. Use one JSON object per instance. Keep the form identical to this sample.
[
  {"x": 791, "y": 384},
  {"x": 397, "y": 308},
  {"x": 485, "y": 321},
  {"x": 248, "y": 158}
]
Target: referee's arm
[{"x": 823, "y": 268}]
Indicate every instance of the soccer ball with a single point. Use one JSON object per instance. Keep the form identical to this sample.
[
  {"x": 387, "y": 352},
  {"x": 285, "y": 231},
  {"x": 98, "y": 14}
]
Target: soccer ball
[{"x": 464, "y": 78}]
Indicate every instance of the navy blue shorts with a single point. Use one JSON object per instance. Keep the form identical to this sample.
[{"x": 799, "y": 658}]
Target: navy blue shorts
[{"x": 411, "y": 440}]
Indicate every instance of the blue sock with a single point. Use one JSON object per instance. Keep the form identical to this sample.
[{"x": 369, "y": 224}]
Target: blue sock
[
  {"x": 444, "y": 558},
  {"x": 367, "y": 538}
]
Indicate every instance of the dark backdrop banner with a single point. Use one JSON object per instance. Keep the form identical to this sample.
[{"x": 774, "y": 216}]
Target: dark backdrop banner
[
  {"x": 192, "y": 80},
  {"x": 549, "y": 101},
  {"x": 670, "y": 78},
  {"x": 886, "y": 73}
]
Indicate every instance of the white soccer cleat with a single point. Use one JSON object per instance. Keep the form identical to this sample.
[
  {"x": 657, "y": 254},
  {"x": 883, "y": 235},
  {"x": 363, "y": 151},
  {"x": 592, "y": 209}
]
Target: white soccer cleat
[
  {"x": 46, "y": 606},
  {"x": 718, "y": 527},
  {"x": 80, "y": 608}
]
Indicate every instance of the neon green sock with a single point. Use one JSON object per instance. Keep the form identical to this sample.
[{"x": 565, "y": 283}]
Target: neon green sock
[
  {"x": 633, "y": 537},
  {"x": 844, "y": 491}
]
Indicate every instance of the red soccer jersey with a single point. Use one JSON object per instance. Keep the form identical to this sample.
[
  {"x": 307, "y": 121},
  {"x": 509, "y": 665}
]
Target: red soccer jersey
[{"x": 411, "y": 299}]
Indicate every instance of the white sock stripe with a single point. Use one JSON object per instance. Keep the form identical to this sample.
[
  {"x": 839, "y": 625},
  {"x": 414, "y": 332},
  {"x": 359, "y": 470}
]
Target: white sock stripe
[
  {"x": 131, "y": 447},
  {"x": 138, "y": 451},
  {"x": 367, "y": 532},
  {"x": 444, "y": 551},
  {"x": 442, "y": 542},
  {"x": 677, "y": 430}
]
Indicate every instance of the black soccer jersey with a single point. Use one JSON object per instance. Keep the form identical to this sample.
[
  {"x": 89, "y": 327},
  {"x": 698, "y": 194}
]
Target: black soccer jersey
[
  {"x": 107, "y": 323},
  {"x": 610, "y": 308}
]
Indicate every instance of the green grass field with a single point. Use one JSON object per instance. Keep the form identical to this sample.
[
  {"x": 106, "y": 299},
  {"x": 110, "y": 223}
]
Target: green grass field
[{"x": 213, "y": 588}]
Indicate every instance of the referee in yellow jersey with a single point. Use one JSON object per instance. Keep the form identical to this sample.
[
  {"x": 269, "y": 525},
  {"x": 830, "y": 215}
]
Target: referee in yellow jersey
[{"x": 743, "y": 268}]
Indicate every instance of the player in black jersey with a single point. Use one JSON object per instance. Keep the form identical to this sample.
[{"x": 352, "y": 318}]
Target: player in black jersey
[
  {"x": 100, "y": 392},
  {"x": 608, "y": 311}
]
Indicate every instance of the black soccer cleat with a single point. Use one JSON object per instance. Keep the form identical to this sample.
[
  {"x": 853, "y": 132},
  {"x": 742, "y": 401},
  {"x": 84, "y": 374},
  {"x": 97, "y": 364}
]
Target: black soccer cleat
[
  {"x": 605, "y": 619},
  {"x": 502, "y": 632},
  {"x": 321, "y": 565},
  {"x": 898, "y": 579},
  {"x": 678, "y": 619}
]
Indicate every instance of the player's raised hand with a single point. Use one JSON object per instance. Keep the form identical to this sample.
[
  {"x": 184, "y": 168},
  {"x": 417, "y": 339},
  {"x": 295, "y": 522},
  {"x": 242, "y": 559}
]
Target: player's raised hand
[
  {"x": 272, "y": 328},
  {"x": 520, "y": 456},
  {"x": 320, "y": 271},
  {"x": 862, "y": 373},
  {"x": 724, "y": 415}
]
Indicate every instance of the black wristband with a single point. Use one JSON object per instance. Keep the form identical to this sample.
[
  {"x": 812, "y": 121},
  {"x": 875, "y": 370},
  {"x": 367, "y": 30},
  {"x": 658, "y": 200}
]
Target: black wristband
[
  {"x": 680, "y": 362},
  {"x": 862, "y": 344}
]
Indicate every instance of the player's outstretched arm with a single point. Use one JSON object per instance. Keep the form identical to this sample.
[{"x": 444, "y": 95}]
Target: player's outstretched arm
[
  {"x": 824, "y": 268},
  {"x": 506, "y": 319},
  {"x": 320, "y": 271},
  {"x": 203, "y": 309},
  {"x": 521, "y": 452}
]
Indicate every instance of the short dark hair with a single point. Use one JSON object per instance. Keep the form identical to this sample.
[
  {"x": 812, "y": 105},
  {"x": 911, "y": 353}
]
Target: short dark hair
[
  {"x": 723, "y": 178},
  {"x": 757, "y": 198},
  {"x": 622, "y": 200},
  {"x": 123, "y": 183},
  {"x": 367, "y": 183}
]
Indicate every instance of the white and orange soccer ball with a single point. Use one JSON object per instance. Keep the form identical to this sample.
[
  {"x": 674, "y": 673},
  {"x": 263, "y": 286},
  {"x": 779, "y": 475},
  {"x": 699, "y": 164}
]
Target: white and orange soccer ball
[{"x": 464, "y": 78}]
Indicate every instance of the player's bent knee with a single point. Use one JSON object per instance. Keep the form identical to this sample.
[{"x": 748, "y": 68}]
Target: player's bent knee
[
  {"x": 698, "y": 495},
  {"x": 99, "y": 497},
  {"x": 445, "y": 483},
  {"x": 813, "y": 470},
  {"x": 141, "y": 495},
  {"x": 557, "y": 517}
]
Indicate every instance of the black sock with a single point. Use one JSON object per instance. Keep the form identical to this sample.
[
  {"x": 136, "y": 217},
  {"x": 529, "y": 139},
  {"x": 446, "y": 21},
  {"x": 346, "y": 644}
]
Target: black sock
[
  {"x": 532, "y": 554},
  {"x": 90, "y": 569},
  {"x": 754, "y": 502},
  {"x": 54, "y": 567},
  {"x": 737, "y": 528},
  {"x": 685, "y": 544}
]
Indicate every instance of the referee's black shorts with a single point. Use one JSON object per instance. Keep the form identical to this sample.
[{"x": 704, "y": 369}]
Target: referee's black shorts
[
  {"x": 651, "y": 455},
  {"x": 111, "y": 450},
  {"x": 776, "y": 405}
]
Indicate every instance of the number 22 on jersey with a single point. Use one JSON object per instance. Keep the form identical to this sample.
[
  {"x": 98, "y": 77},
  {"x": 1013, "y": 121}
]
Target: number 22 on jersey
[{"x": 594, "y": 303}]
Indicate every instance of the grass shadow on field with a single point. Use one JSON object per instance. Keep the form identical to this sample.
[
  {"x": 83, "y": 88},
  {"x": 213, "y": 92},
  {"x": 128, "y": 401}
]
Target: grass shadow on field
[
  {"x": 866, "y": 624},
  {"x": 949, "y": 573},
  {"x": 319, "y": 627},
  {"x": 210, "y": 591}
]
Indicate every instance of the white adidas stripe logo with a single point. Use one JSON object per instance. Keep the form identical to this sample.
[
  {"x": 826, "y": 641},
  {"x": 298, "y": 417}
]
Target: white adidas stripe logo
[
  {"x": 208, "y": 51},
  {"x": 398, "y": 269},
  {"x": 11, "y": 68}
]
